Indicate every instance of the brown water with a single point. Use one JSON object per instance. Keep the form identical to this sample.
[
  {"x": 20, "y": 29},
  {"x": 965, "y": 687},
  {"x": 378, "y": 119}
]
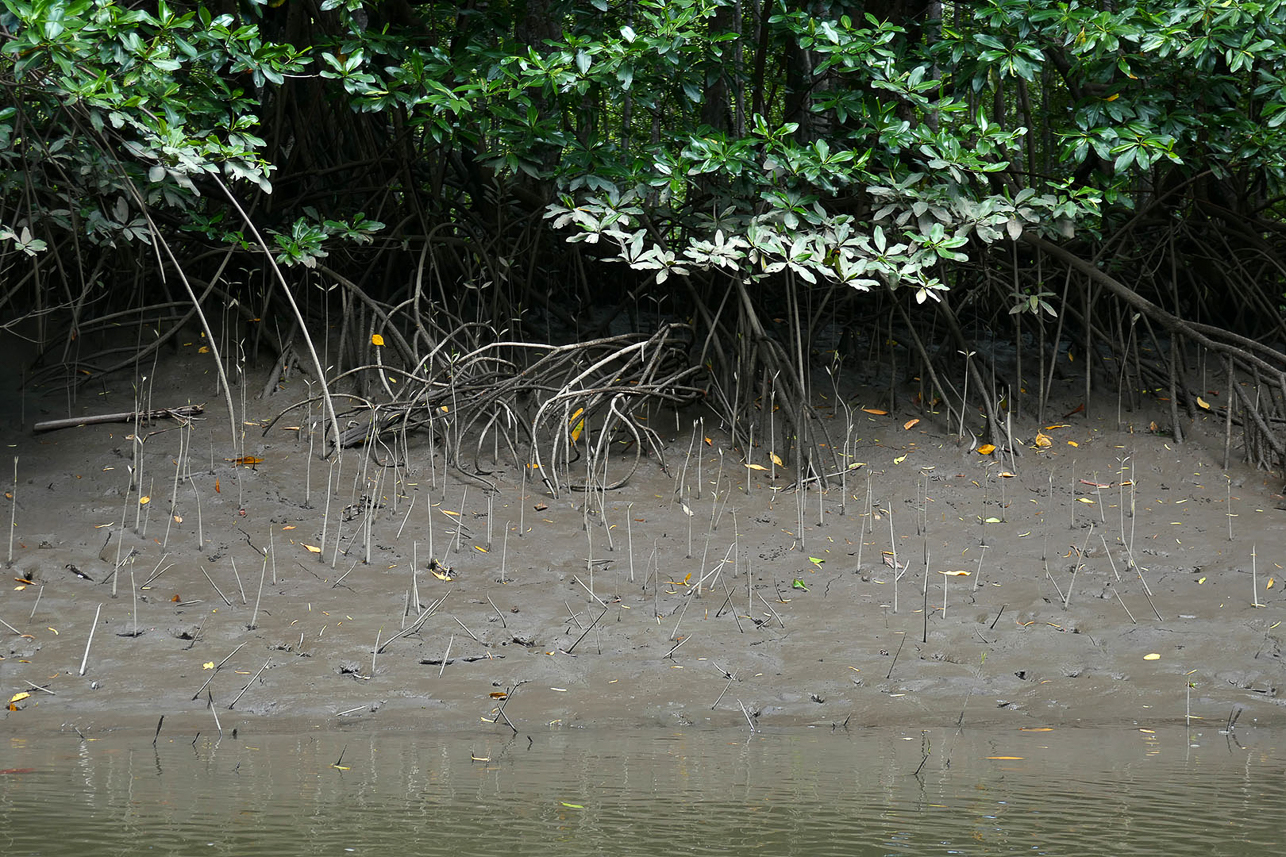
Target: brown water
[{"x": 574, "y": 792}]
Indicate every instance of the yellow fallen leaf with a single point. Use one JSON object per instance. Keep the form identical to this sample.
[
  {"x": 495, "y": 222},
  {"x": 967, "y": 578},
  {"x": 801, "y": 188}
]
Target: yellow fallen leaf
[
  {"x": 1043, "y": 441},
  {"x": 204, "y": 349},
  {"x": 1152, "y": 657},
  {"x": 909, "y": 424},
  {"x": 143, "y": 501},
  {"x": 178, "y": 519},
  {"x": 1201, "y": 580},
  {"x": 1072, "y": 443},
  {"x": 957, "y": 573},
  {"x": 876, "y": 411},
  {"x": 376, "y": 339},
  {"x": 1005, "y": 474},
  {"x": 18, "y": 697},
  {"x": 312, "y": 548},
  {"x": 480, "y": 548},
  {"x": 900, "y": 459},
  {"x": 441, "y": 576},
  {"x": 756, "y": 467},
  {"x": 571, "y": 805},
  {"x": 1086, "y": 500},
  {"x": 1271, "y": 581},
  {"x": 987, "y": 449},
  {"x": 776, "y": 459},
  {"x": 1203, "y": 403},
  {"x": 208, "y": 665},
  {"x": 449, "y": 512}
]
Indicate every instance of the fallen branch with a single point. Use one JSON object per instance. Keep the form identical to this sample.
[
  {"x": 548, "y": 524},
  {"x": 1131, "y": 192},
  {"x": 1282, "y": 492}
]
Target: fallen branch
[{"x": 124, "y": 417}]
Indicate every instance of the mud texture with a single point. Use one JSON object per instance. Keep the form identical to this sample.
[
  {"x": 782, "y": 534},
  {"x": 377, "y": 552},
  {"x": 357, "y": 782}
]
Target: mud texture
[{"x": 693, "y": 598}]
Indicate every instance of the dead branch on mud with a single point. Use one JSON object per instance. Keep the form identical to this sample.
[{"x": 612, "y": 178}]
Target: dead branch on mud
[{"x": 548, "y": 405}]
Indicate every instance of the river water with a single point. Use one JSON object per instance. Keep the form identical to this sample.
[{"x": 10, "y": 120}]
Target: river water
[{"x": 575, "y": 792}]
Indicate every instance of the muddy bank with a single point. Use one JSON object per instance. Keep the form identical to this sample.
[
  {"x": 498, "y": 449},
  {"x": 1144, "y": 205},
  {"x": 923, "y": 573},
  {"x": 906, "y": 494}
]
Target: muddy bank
[{"x": 693, "y": 597}]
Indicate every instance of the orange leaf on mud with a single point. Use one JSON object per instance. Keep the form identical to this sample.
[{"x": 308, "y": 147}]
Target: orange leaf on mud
[
  {"x": 987, "y": 449},
  {"x": 910, "y": 424},
  {"x": 876, "y": 411}
]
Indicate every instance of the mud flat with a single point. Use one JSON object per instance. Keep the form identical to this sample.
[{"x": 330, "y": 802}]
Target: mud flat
[{"x": 1110, "y": 578}]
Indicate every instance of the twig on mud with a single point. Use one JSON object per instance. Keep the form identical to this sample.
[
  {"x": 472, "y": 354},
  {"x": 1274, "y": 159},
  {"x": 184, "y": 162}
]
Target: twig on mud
[
  {"x": 247, "y": 687},
  {"x": 570, "y": 648}
]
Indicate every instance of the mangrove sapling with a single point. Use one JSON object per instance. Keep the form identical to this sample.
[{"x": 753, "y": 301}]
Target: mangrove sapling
[
  {"x": 504, "y": 553},
  {"x": 84, "y": 660}
]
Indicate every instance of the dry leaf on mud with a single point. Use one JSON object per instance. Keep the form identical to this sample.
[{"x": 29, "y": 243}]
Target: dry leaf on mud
[
  {"x": 312, "y": 548},
  {"x": 756, "y": 467},
  {"x": 876, "y": 411},
  {"x": 910, "y": 424},
  {"x": 987, "y": 449}
]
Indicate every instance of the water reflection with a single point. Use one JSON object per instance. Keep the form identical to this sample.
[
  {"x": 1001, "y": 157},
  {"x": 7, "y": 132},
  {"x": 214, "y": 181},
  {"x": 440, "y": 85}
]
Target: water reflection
[{"x": 586, "y": 793}]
